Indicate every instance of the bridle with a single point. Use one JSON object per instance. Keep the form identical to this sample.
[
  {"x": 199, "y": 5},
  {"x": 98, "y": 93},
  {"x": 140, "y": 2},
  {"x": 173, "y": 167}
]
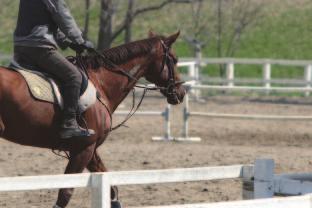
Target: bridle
[{"x": 170, "y": 89}]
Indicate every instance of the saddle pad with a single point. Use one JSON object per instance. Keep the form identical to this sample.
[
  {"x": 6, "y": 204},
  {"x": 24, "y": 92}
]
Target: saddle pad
[
  {"x": 39, "y": 86},
  {"x": 45, "y": 89}
]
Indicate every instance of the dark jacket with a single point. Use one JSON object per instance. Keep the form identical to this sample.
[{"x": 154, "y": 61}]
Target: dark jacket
[{"x": 45, "y": 23}]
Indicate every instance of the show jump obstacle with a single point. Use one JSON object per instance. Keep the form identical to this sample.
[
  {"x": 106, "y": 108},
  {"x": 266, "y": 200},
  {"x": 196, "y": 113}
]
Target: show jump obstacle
[
  {"x": 264, "y": 84},
  {"x": 259, "y": 182}
]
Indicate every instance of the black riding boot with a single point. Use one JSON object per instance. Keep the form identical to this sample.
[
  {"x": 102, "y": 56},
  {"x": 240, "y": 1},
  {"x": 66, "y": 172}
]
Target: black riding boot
[
  {"x": 69, "y": 125},
  {"x": 70, "y": 128}
]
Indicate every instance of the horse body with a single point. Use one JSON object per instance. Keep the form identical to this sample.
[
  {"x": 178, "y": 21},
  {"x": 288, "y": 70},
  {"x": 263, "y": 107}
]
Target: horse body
[
  {"x": 23, "y": 124},
  {"x": 27, "y": 121}
]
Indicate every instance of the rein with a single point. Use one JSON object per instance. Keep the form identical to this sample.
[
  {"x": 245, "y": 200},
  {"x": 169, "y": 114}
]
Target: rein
[{"x": 169, "y": 89}]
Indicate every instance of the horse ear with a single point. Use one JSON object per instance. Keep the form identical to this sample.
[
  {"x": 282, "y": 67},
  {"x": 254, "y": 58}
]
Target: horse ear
[
  {"x": 151, "y": 34},
  {"x": 171, "y": 39}
]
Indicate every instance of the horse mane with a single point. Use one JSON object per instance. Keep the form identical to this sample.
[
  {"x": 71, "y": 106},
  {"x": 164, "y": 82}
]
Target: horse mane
[{"x": 121, "y": 54}]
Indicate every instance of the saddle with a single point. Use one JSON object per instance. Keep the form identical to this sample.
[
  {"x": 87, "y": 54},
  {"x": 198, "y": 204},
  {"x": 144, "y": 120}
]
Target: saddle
[{"x": 44, "y": 88}]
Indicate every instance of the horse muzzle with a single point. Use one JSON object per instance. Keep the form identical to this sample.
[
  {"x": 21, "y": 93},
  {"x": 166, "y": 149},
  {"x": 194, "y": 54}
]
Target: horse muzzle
[{"x": 175, "y": 96}]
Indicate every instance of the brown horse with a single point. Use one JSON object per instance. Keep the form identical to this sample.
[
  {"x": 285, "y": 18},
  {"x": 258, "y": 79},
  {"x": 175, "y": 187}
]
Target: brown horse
[{"x": 27, "y": 121}]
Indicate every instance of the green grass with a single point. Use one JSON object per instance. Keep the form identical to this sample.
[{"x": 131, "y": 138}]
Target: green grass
[{"x": 283, "y": 32}]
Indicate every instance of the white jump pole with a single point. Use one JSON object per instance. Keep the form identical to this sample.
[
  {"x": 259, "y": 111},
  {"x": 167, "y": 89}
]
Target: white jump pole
[
  {"x": 167, "y": 123},
  {"x": 186, "y": 114},
  {"x": 167, "y": 126},
  {"x": 186, "y": 117}
]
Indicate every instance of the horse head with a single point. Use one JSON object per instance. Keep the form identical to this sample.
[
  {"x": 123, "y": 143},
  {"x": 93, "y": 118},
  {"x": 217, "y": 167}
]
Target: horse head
[{"x": 163, "y": 72}]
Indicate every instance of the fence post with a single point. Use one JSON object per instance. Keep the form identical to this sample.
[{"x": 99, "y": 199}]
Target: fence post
[
  {"x": 191, "y": 70},
  {"x": 230, "y": 74},
  {"x": 198, "y": 55},
  {"x": 100, "y": 193},
  {"x": 167, "y": 123},
  {"x": 307, "y": 78},
  {"x": 264, "y": 178},
  {"x": 267, "y": 76}
]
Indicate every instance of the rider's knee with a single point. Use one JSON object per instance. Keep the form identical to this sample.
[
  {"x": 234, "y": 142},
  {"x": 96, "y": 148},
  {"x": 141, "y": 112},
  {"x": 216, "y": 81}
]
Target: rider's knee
[{"x": 76, "y": 78}]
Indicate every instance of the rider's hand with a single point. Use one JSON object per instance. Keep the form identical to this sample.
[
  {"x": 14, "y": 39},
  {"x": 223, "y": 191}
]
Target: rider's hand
[
  {"x": 79, "y": 48},
  {"x": 88, "y": 45}
]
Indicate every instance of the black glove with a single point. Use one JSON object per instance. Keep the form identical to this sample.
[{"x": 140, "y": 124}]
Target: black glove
[
  {"x": 88, "y": 45},
  {"x": 79, "y": 48}
]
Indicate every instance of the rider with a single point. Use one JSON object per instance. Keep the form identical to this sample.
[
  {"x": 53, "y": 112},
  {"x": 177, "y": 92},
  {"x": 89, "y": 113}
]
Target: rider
[{"x": 43, "y": 25}]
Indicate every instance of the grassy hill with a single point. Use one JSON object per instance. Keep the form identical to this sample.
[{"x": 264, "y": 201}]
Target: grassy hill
[{"x": 283, "y": 31}]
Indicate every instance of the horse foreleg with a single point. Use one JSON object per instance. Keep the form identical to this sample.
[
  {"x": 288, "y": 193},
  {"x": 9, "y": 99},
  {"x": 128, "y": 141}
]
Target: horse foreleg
[
  {"x": 96, "y": 165},
  {"x": 2, "y": 127},
  {"x": 77, "y": 163}
]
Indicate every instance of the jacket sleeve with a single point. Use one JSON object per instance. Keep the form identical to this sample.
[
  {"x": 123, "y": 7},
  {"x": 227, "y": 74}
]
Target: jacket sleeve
[
  {"x": 64, "y": 20},
  {"x": 62, "y": 41}
]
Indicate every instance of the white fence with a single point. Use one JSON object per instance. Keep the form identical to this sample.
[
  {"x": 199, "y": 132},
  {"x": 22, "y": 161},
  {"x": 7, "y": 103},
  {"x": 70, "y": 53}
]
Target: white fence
[
  {"x": 100, "y": 183},
  {"x": 289, "y": 202},
  {"x": 266, "y": 184},
  {"x": 266, "y": 79}
]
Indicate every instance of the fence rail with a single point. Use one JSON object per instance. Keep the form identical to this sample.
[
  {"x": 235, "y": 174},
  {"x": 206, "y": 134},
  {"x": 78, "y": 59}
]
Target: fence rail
[
  {"x": 253, "y": 88},
  {"x": 266, "y": 80},
  {"x": 248, "y": 61},
  {"x": 265, "y": 184},
  {"x": 100, "y": 183},
  {"x": 289, "y": 202}
]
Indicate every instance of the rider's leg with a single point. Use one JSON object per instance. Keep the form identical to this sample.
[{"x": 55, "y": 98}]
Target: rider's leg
[{"x": 54, "y": 63}]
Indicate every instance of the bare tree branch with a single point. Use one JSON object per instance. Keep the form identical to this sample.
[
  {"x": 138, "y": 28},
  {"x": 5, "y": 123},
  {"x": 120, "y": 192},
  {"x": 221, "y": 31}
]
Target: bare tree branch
[
  {"x": 249, "y": 14},
  {"x": 107, "y": 34},
  {"x": 131, "y": 15},
  {"x": 160, "y": 6}
]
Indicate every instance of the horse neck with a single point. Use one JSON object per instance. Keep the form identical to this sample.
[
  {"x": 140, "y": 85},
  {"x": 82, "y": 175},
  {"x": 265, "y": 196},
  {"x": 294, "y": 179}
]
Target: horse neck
[{"x": 114, "y": 87}]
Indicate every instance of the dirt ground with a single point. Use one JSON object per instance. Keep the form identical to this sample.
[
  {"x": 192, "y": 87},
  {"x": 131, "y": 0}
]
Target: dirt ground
[{"x": 224, "y": 142}]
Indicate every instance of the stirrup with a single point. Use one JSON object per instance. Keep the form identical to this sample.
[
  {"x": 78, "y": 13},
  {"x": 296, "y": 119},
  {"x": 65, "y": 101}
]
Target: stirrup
[
  {"x": 74, "y": 132},
  {"x": 116, "y": 204}
]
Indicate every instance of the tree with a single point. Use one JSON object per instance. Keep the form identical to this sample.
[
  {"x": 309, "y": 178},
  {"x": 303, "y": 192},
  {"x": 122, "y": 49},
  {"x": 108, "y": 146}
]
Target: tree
[
  {"x": 242, "y": 14},
  {"x": 108, "y": 9},
  {"x": 106, "y": 17},
  {"x": 198, "y": 27},
  {"x": 234, "y": 17},
  {"x": 222, "y": 23},
  {"x": 87, "y": 20}
]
